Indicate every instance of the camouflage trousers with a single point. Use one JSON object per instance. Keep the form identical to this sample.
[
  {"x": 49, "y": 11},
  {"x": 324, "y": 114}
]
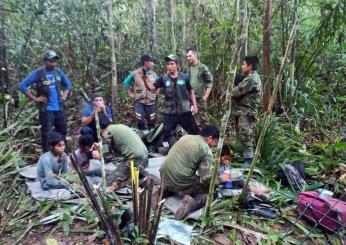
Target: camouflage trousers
[
  {"x": 202, "y": 117},
  {"x": 245, "y": 134},
  {"x": 195, "y": 188},
  {"x": 122, "y": 172}
]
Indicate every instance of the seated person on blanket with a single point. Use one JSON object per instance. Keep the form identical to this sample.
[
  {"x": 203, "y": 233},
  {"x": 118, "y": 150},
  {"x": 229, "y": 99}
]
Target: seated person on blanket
[
  {"x": 88, "y": 118},
  {"x": 189, "y": 155},
  {"x": 126, "y": 143},
  {"x": 53, "y": 163},
  {"x": 225, "y": 158},
  {"x": 237, "y": 183},
  {"x": 88, "y": 155}
]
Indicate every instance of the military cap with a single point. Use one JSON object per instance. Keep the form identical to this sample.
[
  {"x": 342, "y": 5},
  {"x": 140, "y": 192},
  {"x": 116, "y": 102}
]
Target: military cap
[{"x": 49, "y": 54}]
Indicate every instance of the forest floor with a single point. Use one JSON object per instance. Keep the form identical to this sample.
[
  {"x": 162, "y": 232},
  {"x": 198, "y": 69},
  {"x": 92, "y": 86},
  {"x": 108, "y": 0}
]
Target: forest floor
[{"x": 321, "y": 150}]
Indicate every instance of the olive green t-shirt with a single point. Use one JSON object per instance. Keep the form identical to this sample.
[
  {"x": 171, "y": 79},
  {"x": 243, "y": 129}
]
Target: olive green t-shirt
[
  {"x": 126, "y": 142},
  {"x": 189, "y": 154},
  {"x": 200, "y": 78}
]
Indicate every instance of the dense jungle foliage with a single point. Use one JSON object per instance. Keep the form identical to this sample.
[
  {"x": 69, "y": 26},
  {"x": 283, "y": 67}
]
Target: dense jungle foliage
[{"x": 310, "y": 110}]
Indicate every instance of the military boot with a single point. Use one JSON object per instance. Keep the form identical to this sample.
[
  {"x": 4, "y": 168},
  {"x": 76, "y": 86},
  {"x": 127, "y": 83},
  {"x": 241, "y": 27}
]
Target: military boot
[{"x": 190, "y": 204}]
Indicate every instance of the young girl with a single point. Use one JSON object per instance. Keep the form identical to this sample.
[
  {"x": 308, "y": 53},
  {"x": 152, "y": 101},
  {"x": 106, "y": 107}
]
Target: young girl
[
  {"x": 226, "y": 157},
  {"x": 53, "y": 163}
]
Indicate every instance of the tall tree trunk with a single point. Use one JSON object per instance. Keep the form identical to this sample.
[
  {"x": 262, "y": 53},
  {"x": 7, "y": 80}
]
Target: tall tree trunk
[
  {"x": 266, "y": 54},
  {"x": 4, "y": 79},
  {"x": 291, "y": 83},
  {"x": 171, "y": 25},
  {"x": 23, "y": 50},
  {"x": 184, "y": 43},
  {"x": 246, "y": 19},
  {"x": 152, "y": 25},
  {"x": 113, "y": 60}
]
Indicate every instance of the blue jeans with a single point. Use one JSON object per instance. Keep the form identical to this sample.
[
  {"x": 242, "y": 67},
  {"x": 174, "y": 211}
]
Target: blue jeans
[{"x": 145, "y": 114}]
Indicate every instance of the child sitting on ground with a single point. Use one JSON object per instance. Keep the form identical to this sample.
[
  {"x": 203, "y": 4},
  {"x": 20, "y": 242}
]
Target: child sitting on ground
[
  {"x": 225, "y": 158},
  {"x": 238, "y": 183},
  {"x": 53, "y": 163},
  {"x": 88, "y": 155}
]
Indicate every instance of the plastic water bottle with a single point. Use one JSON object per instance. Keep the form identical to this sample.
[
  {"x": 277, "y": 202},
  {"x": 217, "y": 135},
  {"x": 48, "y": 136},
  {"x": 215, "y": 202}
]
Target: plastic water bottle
[{"x": 228, "y": 184}]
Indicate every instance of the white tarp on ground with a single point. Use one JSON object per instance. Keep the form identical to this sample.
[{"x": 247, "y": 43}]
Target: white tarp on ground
[
  {"x": 175, "y": 231},
  {"x": 154, "y": 165},
  {"x": 38, "y": 193}
]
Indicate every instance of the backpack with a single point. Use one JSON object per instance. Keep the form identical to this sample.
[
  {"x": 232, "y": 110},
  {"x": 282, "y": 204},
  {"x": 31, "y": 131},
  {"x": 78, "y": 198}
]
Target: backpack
[
  {"x": 328, "y": 213},
  {"x": 292, "y": 175}
]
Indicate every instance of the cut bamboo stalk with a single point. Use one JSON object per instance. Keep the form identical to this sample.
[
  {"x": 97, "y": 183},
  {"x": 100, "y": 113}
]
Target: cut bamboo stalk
[
  {"x": 150, "y": 185},
  {"x": 156, "y": 221},
  {"x": 141, "y": 211},
  {"x": 114, "y": 226},
  {"x": 95, "y": 205},
  {"x": 103, "y": 168}
]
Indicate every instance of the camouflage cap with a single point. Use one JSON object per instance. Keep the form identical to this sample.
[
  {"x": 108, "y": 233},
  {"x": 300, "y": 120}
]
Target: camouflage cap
[
  {"x": 49, "y": 54},
  {"x": 172, "y": 57}
]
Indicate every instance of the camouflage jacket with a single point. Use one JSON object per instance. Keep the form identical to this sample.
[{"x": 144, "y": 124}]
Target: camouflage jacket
[
  {"x": 200, "y": 79},
  {"x": 247, "y": 95}
]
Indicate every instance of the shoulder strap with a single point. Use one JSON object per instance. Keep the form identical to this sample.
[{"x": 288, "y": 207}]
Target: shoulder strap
[{"x": 41, "y": 74}]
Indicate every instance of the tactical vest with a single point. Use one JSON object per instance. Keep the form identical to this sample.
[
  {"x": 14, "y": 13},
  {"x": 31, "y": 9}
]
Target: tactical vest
[
  {"x": 42, "y": 86},
  {"x": 176, "y": 95},
  {"x": 142, "y": 94}
]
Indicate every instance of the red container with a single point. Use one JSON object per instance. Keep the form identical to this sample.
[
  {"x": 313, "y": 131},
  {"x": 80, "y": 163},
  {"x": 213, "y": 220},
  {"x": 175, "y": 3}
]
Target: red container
[{"x": 328, "y": 213}]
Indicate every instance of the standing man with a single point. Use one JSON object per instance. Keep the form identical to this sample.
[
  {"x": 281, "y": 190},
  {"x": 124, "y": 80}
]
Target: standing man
[
  {"x": 145, "y": 100},
  {"x": 191, "y": 154},
  {"x": 179, "y": 97},
  {"x": 201, "y": 82},
  {"x": 52, "y": 88},
  {"x": 246, "y": 98}
]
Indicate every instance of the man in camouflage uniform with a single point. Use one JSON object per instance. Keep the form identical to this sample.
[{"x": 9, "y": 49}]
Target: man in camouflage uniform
[
  {"x": 126, "y": 143},
  {"x": 145, "y": 100},
  {"x": 201, "y": 82},
  {"x": 246, "y": 98},
  {"x": 190, "y": 154}
]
